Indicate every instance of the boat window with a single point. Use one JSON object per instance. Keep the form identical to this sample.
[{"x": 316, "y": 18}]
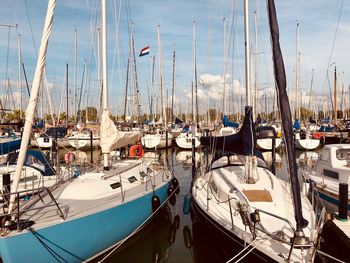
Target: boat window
[
  {"x": 324, "y": 155},
  {"x": 132, "y": 179},
  {"x": 115, "y": 185},
  {"x": 32, "y": 160},
  {"x": 331, "y": 174},
  {"x": 343, "y": 154}
]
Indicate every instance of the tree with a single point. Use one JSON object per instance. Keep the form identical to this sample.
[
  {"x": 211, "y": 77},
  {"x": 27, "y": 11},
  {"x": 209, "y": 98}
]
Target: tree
[{"x": 212, "y": 114}]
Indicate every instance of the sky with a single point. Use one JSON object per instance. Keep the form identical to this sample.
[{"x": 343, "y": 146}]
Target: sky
[{"x": 323, "y": 44}]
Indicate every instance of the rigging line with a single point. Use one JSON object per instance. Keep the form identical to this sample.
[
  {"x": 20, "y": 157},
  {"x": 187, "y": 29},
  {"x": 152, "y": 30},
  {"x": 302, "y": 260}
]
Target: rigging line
[
  {"x": 31, "y": 28},
  {"x": 117, "y": 45},
  {"x": 7, "y": 62},
  {"x": 55, "y": 254},
  {"x": 139, "y": 227},
  {"x": 332, "y": 49},
  {"x": 233, "y": 9},
  {"x": 248, "y": 252},
  {"x": 57, "y": 257},
  {"x": 207, "y": 64}
]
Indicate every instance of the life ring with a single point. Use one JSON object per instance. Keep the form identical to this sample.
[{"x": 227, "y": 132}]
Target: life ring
[
  {"x": 136, "y": 150},
  {"x": 69, "y": 157}
]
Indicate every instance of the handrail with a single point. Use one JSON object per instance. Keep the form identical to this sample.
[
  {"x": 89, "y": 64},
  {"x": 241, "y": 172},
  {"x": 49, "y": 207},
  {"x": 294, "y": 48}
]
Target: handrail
[
  {"x": 292, "y": 245},
  {"x": 20, "y": 211}
]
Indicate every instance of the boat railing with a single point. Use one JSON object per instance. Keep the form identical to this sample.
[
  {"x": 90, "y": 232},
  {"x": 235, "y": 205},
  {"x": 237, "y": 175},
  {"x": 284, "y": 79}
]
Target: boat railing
[
  {"x": 317, "y": 204},
  {"x": 251, "y": 219},
  {"x": 9, "y": 220}
]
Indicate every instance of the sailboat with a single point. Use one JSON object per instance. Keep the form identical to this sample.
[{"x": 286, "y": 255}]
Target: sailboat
[
  {"x": 90, "y": 212},
  {"x": 51, "y": 136},
  {"x": 85, "y": 138},
  {"x": 189, "y": 135},
  {"x": 36, "y": 172},
  {"x": 161, "y": 138},
  {"x": 303, "y": 139},
  {"x": 241, "y": 200}
]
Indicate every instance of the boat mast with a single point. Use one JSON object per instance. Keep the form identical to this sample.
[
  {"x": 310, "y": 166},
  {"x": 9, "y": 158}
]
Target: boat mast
[
  {"x": 225, "y": 70},
  {"x": 335, "y": 95},
  {"x": 99, "y": 83},
  {"x": 173, "y": 87},
  {"x": 126, "y": 88},
  {"x": 138, "y": 103},
  {"x": 75, "y": 74},
  {"x": 297, "y": 74},
  {"x": 255, "y": 104},
  {"x": 195, "y": 116},
  {"x": 247, "y": 52},
  {"x": 153, "y": 96},
  {"x": 160, "y": 64},
  {"x": 343, "y": 98},
  {"x": 104, "y": 72},
  {"x": 311, "y": 106},
  {"x": 67, "y": 106},
  {"x": 20, "y": 75},
  {"x": 192, "y": 98}
]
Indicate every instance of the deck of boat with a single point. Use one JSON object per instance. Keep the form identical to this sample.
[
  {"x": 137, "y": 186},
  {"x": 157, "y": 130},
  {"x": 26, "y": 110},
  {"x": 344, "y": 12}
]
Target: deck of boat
[
  {"x": 343, "y": 225},
  {"x": 96, "y": 190}
]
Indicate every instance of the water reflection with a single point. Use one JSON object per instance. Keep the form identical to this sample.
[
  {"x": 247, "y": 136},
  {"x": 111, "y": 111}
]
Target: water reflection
[
  {"x": 87, "y": 157},
  {"x": 152, "y": 244}
]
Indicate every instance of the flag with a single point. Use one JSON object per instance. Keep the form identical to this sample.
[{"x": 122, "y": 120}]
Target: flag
[{"x": 144, "y": 51}]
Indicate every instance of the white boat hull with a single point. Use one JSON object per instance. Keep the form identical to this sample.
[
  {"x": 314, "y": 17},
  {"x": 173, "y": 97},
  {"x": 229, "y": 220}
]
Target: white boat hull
[
  {"x": 83, "y": 141},
  {"x": 46, "y": 143},
  {"x": 266, "y": 144},
  {"x": 151, "y": 141},
  {"x": 307, "y": 144},
  {"x": 184, "y": 141},
  {"x": 211, "y": 193}
]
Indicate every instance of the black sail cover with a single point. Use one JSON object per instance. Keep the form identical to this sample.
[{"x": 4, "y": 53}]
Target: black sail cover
[
  {"x": 242, "y": 143},
  {"x": 286, "y": 117}
]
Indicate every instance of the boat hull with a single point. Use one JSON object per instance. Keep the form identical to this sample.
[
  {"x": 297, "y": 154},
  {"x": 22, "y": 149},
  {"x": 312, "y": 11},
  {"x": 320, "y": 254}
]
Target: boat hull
[
  {"x": 9, "y": 144},
  {"x": 151, "y": 141},
  {"x": 185, "y": 142},
  {"x": 79, "y": 239},
  {"x": 83, "y": 142},
  {"x": 266, "y": 144},
  {"x": 231, "y": 244},
  {"x": 46, "y": 143},
  {"x": 307, "y": 144},
  {"x": 330, "y": 200}
]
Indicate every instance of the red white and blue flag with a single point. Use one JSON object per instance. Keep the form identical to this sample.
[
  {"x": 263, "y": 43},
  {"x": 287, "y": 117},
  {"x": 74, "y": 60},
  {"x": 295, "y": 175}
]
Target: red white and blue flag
[{"x": 144, "y": 51}]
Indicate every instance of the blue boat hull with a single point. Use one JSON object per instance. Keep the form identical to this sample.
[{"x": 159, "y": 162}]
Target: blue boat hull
[
  {"x": 10, "y": 146},
  {"x": 79, "y": 239}
]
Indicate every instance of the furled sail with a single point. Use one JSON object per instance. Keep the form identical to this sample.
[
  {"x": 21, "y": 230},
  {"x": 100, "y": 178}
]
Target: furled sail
[
  {"x": 111, "y": 138},
  {"x": 33, "y": 100},
  {"x": 240, "y": 143},
  {"x": 286, "y": 117}
]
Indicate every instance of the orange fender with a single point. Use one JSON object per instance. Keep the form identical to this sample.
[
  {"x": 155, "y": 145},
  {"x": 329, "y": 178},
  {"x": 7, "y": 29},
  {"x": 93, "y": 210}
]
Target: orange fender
[{"x": 136, "y": 150}]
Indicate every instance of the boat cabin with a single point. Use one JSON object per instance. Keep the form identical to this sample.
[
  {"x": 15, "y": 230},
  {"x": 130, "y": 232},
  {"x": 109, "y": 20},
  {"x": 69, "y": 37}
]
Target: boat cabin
[{"x": 334, "y": 163}]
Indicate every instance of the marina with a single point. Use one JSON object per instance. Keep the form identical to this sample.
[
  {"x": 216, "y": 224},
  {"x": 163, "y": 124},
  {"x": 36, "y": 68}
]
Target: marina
[{"x": 163, "y": 152}]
